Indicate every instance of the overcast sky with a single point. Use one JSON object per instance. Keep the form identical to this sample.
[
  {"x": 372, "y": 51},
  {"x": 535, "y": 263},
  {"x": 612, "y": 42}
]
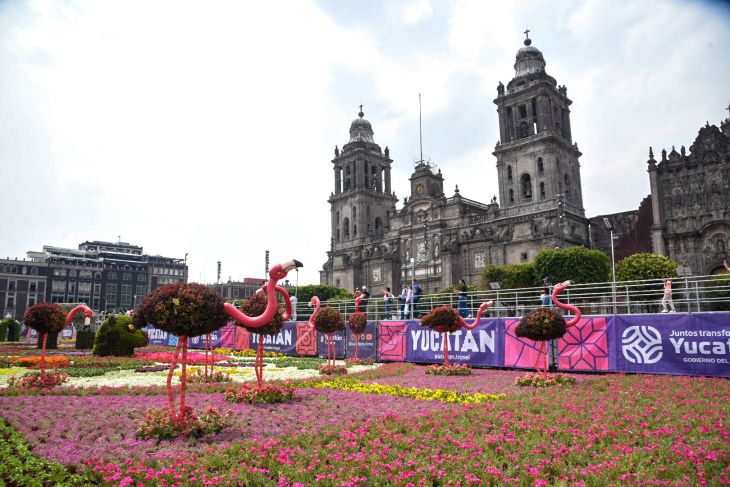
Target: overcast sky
[{"x": 208, "y": 127}]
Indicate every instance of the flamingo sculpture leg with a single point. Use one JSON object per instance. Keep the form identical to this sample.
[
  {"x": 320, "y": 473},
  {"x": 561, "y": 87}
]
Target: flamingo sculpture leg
[
  {"x": 576, "y": 312},
  {"x": 278, "y": 272}
]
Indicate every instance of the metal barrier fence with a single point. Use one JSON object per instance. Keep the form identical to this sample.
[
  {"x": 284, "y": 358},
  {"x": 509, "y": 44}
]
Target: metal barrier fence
[{"x": 689, "y": 295}]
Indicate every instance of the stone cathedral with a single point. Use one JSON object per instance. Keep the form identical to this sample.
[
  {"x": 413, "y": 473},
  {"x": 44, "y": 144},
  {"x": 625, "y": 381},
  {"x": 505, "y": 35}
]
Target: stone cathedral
[{"x": 439, "y": 239}]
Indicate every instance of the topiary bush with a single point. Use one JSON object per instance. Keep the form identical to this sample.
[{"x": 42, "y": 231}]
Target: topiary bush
[
  {"x": 255, "y": 306},
  {"x": 118, "y": 336},
  {"x": 329, "y": 320},
  {"x": 13, "y": 330},
  {"x": 541, "y": 325},
  {"x": 443, "y": 319},
  {"x": 85, "y": 338},
  {"x": 358, "y": 321},
  {"x": 45, "y": 318},
  {"x": 4, "y": 328},
  {"x": 51, "y": 340}
]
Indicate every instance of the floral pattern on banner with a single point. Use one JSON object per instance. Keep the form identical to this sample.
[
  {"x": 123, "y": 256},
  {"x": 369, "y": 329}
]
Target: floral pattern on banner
[
  {"x": 584, "y": 346},
  {"x": 392, "y": 340}
]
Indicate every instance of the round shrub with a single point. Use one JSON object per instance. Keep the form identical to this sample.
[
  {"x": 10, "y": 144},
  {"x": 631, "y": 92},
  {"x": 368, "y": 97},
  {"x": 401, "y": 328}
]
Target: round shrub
[
  {"x": 329, "y": 320},
  {"x": 182, "y": 309},
  {"x": 45, "y": 317},
  {"x": 358, "y": 321},
  {"x": 540, "y": 325},
  {"x": 13, "y": 331},
  {"x": 443, "y": 319},
  {"x": 256, "y": 306},
  {"x": 118, "y": 336}
]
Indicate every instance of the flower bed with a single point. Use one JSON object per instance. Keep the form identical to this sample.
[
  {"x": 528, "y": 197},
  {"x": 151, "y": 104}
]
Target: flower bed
[
  {"x": 532, "y": 379},
  {"x": 325, "y": 369},
  {"x": 451, "y": 369},
  {"x": 166, "y": 357},
  {"x": 33, "y": 361},
  {"x": 37, "y": 381},
  {"x": 267, "y": 394}
]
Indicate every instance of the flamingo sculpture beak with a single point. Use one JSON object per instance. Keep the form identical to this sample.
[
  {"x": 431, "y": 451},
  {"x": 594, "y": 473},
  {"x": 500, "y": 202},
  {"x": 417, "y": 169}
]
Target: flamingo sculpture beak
[
  {"x": 291, "y": 265},
  {"x": 490, "y": 303}
]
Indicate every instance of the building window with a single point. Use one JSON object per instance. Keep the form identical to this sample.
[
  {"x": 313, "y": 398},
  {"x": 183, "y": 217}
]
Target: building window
[
  {"x": 141, "y": 277},
  {"x": 11, "y": 302},
  {"x": 31, "y": 300},
  {"x": 523, "y": 256},
  {"x": 526, "y": 183},
  {"x": 127, "y": 276},
  {"x": 11, "y": 285},
  {"x": 566, "y": 178},
  {"x": 58, "y": 286},
  {"x": 59, "y": 272},
  {"x": 509, "y": 173},
  {"x": 112, "y": 276},
  {"x": 346, "y": 226},
  {"x": 33, "y": 287},
  {"x": 85, "y": 287},
  {"x": 511, "y": 196},
  {"x": 97, "y": 275},
  {"x": 72, "y": 273},
  {"x": 542, "y": 190},
  {"x": 540, "y": 165},
  {"x": 97, "y": 288},
  {"x": 111, "y": 288},
  {"x": 523, "y": 111},
  {"x": 141, "y": 289},
  {"x": 354, "y": 230},
  {"x": 33, "y": 271},
  {"x": 84, "y": 274}
]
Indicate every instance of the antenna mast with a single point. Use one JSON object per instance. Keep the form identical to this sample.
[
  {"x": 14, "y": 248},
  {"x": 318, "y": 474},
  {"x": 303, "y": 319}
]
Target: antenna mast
[{"x": 420, "y": 128}]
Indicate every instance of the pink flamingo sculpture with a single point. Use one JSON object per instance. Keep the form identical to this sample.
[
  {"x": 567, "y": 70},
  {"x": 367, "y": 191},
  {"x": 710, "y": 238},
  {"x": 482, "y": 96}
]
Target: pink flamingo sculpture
[
  {"x": 557, "y": 331},
  {"x": 87, "y": 314},
  {"x": 559, "y": 288},
  {"x": 484, "y": 307},
  {"x": 361, "y": 319},
  {"x": 278, "y": 272}
]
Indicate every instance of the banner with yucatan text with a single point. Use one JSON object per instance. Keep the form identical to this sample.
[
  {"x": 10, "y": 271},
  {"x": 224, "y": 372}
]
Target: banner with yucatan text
[
  {"x": 672, "y": 343},
  {"x": 484, "y": 345}
]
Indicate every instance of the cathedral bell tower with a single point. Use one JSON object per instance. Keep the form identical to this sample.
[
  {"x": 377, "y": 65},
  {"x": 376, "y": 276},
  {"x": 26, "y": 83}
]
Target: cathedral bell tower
[
  {"x": 359, "y": 205},
  {"x": 537, "y": 161}
]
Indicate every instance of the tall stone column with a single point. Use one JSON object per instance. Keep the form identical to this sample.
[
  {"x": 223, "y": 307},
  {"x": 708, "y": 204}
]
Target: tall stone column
[{"x": 657, "y": 238}]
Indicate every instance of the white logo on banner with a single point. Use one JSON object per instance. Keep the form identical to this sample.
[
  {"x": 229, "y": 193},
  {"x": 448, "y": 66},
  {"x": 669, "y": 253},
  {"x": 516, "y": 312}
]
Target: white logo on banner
[{"x": 642, "y": 345}]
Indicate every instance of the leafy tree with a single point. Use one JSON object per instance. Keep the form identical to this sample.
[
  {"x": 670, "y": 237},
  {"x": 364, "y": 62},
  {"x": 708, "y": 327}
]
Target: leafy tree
[
  {"x": 323, "y": 292},
  {"x": 645, "y": 266},
  {"x": 455, "y": 289},
  {"x": 716, "y": 293},
  {"x": 578, "y": 264},
  {"x": 510, "y": 276}
]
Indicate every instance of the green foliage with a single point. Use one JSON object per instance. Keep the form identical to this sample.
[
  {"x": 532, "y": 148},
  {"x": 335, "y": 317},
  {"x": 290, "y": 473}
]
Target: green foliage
[
  {"x": 118, "y": 336},
  {"x": 13, "y": 330},
  {"x": 716, "y": 293},
  {"x": 510, "y": 276},
  {"x": 645, "y": 266},
  {"x": 182, "y": 309},
  {"x": 20, "y": 466},
  {"x": 4, "y": 328},
  {"x": 51, "y": 341},
  {"x": 578, "y": 264},
  {"x": 323, "y": 292},
  {"x": 443, "y": 319},
  {"x": 455, "y": 289},
  {"x": 85, "y": 339},
  {"x": 43, "y": 317},
  {"x": 256, "y": 306},
  {"x": 541, "y": 325}
]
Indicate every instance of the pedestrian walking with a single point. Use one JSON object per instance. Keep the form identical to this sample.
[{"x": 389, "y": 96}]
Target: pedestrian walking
[
  {"x": 388, "y": 301},
  {"x": 406, "y": 296},
  {"x": 545, "y": 298},
  {"x": 667, "y": 299},
  {"x": 463, "y": 298}
]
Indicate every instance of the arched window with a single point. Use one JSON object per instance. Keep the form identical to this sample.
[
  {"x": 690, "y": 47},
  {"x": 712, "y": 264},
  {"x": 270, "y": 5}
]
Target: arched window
[
  {"x": 509, "y": 173},
  {"x": 540, "y": 165},
  {"x": 511, "y": 196},
  {"x": 354, "y": 230},
  {"x": 542, "y": 190},
  {"x": 72, "y": 273},
  {"x": 33, "y": 271},
  {"x": 526, "y": 185},
  {"x": 346, "y": 226}
]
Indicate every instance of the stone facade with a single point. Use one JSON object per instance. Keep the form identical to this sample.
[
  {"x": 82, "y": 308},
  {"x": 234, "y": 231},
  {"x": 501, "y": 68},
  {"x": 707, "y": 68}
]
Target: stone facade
[
  {"x": 438, "y": 240},
  {"x": 631, "y": 230},
  {"x": 691, "y": 201}
]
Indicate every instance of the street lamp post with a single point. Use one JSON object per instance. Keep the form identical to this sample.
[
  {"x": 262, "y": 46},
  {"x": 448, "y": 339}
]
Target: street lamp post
[
  {"x": 413, "y": 279},
  {"x": 607, "y": 222}
]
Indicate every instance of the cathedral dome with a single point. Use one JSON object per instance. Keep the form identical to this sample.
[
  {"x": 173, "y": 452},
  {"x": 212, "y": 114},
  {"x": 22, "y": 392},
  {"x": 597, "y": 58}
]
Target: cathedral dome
[
  {"x": 360, "y": 129},
  {"x": 529, "y": 60}
]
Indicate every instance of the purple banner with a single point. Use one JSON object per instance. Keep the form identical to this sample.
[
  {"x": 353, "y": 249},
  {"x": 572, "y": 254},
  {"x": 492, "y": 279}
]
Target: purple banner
[
  {"x": 682, "y": 344},
  {"x": 483, "y": 345},
  {"x": 157, "y": 336},
  {"x": 340, "y": 342},
  {"x": 365, "y": 342},
  {"x": 283, "y": 342}
]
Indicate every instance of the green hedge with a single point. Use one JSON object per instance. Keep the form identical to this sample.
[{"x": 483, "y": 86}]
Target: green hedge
[
  {"x": 118, "y": 336},
  {"x": 85, "y": 339}
]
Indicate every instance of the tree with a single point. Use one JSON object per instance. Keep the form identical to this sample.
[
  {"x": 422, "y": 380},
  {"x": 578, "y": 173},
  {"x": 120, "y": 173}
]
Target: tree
[
  {"x": 578, "y": 264},
  {"x": 323, "y": 292},
  {"x": 510, "y": 276},
  {"x": 645, "y": 266}
]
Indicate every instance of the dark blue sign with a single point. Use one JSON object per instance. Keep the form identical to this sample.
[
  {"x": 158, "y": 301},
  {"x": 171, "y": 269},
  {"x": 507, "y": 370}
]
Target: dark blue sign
[
  {"x": 484, "y": 345},
  {"x": 365, "y": 342},
  {"x": 340, "y": 344},
  {"x": 682, "y": 344}
]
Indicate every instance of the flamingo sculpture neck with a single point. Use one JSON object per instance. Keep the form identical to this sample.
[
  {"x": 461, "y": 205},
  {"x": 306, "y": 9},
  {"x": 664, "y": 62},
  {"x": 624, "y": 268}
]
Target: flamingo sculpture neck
[
  {"x": 278, "y": 272},
  {"x": 287, "y": 302},
  {"x": 314, "y": 302},
  {"x": 87, "y": 314},
  {"x": 484, "y": 307},
  {"x": 576, "y": 312},
  {"x": 358, "y": 298}
]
